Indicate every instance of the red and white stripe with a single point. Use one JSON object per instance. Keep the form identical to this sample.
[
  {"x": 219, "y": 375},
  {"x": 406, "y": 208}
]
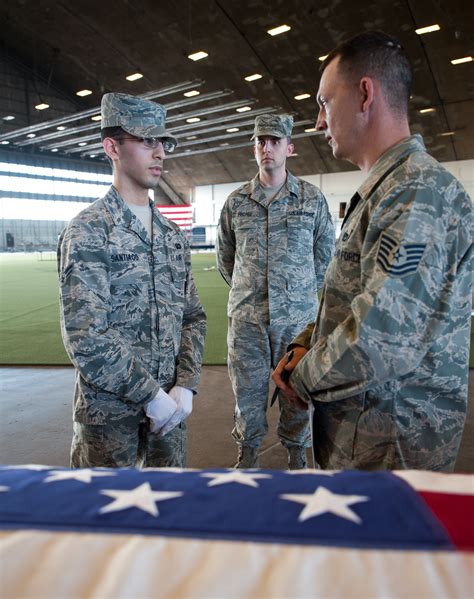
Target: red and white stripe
[{"x": 181, "y": 214}]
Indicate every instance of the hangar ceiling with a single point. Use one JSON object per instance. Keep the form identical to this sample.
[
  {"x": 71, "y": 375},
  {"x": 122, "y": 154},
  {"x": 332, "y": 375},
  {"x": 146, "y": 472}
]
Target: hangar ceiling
[{"x": 52, "y": 49}]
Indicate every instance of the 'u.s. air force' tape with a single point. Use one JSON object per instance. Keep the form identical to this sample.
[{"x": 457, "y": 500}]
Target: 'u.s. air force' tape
[{"x": 399, "y": 259}]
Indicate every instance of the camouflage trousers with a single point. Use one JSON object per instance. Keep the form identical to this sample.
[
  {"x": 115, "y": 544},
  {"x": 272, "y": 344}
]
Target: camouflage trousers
[
  {"x": 253, "y": 351},
  {"x": 127, "y": 443}
]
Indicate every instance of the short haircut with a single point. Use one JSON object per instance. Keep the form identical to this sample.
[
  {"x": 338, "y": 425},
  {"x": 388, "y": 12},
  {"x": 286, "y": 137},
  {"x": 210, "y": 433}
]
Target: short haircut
[
  {"x": 381, "y": 56},
  {"x": 113, "y": 132}
]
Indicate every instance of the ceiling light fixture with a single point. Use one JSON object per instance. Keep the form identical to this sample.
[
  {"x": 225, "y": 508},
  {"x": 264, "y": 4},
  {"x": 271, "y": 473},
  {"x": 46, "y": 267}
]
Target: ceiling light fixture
[
  {"x": 82, "y": 143},
  {"x": 84, "y": 92},
  {"x": 446, "y": 134},
  {"x": 191, "y": 137},
  {"x": 302, "y": 96},
  {"x": 428, "y": 29},
  {"x": 426, "y": 110},
  {"x": 42, "y": 106},
  {"x": 232, "y": 130},
  {"x": 54, "y": 150},
  {"x": 310, "y": 130},
  {"x": 4, "y": 142},
  {"x": 191, "y": 93},
  {"x": 243, "y": 109},
  {"x": 61, "y": 128},
  {"x": 198, "y": 55},
  {"x": 279, "y": 29},
  {"x": 461, "y": 60},
  {"x": 9, "y": 117},
  {"x": 31, "y": 135},
  {"x": 321, "y": 58},
  {"x": 253, "y": 77},
  {"x": 193, "y": 119},
  {"x": 97, "y": 117},
  {"x": 134, "y": 77}
]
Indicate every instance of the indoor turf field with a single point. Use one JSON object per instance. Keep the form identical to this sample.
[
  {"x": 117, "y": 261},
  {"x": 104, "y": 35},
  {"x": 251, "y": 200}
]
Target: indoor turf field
[{"x": 29, "y": 309}]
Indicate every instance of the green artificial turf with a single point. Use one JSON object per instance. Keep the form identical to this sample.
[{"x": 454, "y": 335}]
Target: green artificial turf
[{"x": 29, "y": 310}]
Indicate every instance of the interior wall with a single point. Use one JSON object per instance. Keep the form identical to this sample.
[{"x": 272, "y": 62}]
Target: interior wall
[
  {"x": 29, "y": 235},
  {"x": 337, "y": 188}
]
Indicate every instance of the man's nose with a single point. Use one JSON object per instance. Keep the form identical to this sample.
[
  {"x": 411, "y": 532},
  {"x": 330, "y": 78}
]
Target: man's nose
[
  {"x": 159, "y": 151},
  {"x": 320, "y": 124},
  {"x": 266, "y": 145}
]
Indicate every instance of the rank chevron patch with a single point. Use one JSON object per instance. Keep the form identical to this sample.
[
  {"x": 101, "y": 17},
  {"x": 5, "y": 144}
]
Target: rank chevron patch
[{"x": 399, "y": 259}]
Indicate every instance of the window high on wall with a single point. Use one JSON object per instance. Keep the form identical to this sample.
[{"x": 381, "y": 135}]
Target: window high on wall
[
  {"x": 47, "y": 191},
  {"x": 38, "y": 196}
]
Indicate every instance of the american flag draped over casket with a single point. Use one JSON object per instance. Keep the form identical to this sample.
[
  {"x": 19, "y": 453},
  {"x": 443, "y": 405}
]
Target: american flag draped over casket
[{"x": 234, "y": 533}]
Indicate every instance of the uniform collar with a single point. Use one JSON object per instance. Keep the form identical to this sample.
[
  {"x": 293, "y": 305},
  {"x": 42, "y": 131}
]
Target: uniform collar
[
  {"x": 289, "y": 187},
  {"x": 407, "y": 146},
  {"x": 123, "y": 216}
]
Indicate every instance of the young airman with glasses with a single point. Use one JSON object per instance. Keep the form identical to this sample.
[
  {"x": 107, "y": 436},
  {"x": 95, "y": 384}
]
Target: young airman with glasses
[{"x": 131, "y": 319}]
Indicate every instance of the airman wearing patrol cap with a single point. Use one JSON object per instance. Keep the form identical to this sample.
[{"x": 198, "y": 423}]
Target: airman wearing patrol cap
[
  {"x": 137, "y": 354},
  {"x": 274, "y": 241},
  {"x": 274, "y": 125},
  {"x": 138, "y": 116}
]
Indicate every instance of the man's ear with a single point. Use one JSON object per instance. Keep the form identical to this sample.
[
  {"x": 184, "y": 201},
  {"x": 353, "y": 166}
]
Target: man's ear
[
  {"x": 110, "y": 148},
  {"x": 366, "y": 87},
  {"x": 289, "y": 150}
]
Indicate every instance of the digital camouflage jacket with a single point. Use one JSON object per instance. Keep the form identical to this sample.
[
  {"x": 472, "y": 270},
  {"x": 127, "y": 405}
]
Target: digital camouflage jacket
[
  {"x": 387, "y": 368},
  {"x": 131, "y": 318}
]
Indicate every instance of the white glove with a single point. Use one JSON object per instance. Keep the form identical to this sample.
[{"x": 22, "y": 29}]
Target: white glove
[
  {"x": 161, "y": 410},
  {"x": 183, "y": 398}
]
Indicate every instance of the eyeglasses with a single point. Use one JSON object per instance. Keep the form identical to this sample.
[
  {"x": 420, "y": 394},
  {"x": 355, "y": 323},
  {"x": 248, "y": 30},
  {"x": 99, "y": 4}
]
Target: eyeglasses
[{"x": 153, "y": 142}]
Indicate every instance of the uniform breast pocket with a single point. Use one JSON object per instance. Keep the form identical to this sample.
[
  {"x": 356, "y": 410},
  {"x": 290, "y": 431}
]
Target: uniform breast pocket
[
  {"x": 246, "y": 235},
  {"x": 177, "y": 269},
  {"x": 178, "y": 279},
  {"x": 300, "y": 232},
  {"x": 130, "y": 308}
]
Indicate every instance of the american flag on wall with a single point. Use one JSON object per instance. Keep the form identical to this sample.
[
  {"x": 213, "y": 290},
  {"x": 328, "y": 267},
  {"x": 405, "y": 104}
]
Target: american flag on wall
[{"x": 181, "y": 214}]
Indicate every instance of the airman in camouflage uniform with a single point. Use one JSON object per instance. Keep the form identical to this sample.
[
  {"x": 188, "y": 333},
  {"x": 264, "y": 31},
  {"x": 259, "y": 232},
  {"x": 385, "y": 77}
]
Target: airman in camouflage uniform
[
  {"x": 131, "y": 319},
  {"x": 386, "y": 366},
  {"x": 275, "y": 239}
]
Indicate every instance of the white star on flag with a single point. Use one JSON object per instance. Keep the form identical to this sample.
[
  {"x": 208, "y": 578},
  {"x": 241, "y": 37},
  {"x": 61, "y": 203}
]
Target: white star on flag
[
  {"x": 141, "y": 497},
  {"x": 323, "y": 501},
  {"x": 83, "y": 476},
  {"x": 235, "y": 476},
  {"x": 313, "y": 471},
  {"x": 3, "y": 489}
]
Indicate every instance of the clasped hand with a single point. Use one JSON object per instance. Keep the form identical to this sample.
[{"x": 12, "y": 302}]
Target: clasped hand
[
  {"x": 167, "y": 410},
  {"x": 288, "y": 366}
]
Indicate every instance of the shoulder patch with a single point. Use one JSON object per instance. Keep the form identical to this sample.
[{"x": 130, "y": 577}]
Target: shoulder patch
[{"x": 399, "y": 259}]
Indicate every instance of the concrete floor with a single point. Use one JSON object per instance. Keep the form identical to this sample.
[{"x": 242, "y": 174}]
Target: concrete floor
[{"x": 36, "y": 426}]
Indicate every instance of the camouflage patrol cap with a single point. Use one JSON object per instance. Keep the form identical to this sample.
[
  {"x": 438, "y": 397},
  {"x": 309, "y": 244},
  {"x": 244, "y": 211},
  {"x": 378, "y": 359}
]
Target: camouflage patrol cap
[
  {"x": 276, "y": 125},
  {"x": 137, "y": 116}
]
